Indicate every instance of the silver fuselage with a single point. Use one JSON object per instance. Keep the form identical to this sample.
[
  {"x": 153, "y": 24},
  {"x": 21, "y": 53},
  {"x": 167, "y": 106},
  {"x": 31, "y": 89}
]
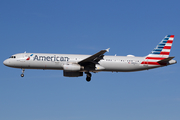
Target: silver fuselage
[{"x": 56, "y": 62}]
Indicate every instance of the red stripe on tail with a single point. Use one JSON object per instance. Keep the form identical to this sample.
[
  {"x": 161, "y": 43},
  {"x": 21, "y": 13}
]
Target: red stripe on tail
[
  {"x": 169, "y": 41},
  {"x": 167, "y": 47},
  {"x": 164, "y": 53}
]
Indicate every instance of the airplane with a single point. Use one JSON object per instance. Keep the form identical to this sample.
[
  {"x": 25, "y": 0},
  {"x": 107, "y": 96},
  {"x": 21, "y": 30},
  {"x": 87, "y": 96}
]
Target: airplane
[{"x": 74, "y": 65}]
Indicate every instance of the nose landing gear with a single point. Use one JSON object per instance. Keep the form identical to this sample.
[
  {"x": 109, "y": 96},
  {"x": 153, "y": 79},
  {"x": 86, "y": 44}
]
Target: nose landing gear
[
  {"x": 88, "y": 76},
  {"x": 22, "y": 75}
]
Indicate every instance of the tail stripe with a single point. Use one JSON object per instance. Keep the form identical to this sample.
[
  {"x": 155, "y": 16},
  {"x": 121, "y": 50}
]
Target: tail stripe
[
  {"x": 154, "y": 52},
  {"x": 169, "y": 41},
  {"x": 164, "y": 53},
  {"x": 166, "y": 50},
  {"x": 167, "y": 47}
]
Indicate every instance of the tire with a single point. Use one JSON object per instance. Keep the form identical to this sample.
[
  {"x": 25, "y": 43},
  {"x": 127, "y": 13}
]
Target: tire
[
  {"x": 88, "y": 79},
  {"x": 22, "y": 75}
]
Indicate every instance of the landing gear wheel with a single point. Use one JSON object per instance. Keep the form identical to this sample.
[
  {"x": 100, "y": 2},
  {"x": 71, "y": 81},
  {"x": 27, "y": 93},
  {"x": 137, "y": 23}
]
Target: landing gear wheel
[
  {"x": 22, "y": 75},
  {"x": 88, "y": 78}
]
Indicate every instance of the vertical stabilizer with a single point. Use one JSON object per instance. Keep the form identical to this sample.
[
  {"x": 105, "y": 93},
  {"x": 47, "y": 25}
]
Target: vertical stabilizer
[
  {"x": 163, "y": 49},
  {"x": 161, "y": 52}
]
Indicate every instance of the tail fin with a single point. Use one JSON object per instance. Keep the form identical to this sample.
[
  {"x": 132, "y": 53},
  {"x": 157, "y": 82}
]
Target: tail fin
[
  {"x": 160, "y": 55},
  {"x": 162, "y": 50}
]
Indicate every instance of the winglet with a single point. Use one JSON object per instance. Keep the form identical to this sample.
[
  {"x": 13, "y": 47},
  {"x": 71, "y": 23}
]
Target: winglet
[{"x": 107, "y": 49}]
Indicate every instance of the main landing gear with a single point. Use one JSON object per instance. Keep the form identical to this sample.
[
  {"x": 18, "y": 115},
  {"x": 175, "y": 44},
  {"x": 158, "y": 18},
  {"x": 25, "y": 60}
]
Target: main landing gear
[
  {"x": 22, "y": 75},
  {"x": 88, "y": 76}
]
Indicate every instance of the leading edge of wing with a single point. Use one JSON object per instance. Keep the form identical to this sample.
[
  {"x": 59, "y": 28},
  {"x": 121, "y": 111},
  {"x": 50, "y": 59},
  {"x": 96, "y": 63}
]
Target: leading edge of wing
[{"x": 96, "y": 57}]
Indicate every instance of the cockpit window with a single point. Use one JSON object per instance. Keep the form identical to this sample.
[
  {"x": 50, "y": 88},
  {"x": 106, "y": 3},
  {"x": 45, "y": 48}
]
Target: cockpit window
[{"x": 12, "y": 57}]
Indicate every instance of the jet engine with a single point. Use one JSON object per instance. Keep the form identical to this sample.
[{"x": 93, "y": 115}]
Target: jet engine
[
  {"x": 72, "y": 67},
  {"x": 72, "y": 70},
  {"x": 72, "y": 74}
]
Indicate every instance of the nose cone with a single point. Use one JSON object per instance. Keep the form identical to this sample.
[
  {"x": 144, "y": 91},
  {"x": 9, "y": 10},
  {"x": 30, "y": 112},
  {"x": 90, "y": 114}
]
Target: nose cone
[{"x": 6, "y": 62}]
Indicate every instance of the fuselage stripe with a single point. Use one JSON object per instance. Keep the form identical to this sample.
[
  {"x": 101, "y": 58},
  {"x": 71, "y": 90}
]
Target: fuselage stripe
[
  {"x": 155, "y": 58},
  {"x": 152, "y": 63}
]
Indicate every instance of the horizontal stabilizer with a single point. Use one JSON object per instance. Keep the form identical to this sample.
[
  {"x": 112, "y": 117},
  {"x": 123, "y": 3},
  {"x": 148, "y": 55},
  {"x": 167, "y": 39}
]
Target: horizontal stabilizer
[{"x": 164, "y": 61}]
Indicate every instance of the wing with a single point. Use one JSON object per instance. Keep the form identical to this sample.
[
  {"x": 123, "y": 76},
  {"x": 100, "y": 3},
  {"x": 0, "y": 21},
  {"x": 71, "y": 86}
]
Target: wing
[{"x": 94, "y": 58}]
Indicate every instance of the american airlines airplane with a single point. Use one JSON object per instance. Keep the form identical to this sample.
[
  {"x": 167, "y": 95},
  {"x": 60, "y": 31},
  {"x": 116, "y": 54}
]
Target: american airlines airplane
[{"x": 75, "y": 65}]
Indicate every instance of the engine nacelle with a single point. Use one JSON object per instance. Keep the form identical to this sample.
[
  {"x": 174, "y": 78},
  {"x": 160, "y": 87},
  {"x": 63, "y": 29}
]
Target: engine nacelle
[
  {"x": 71, "y": 67},
  {"x": 72, "y": 74}
]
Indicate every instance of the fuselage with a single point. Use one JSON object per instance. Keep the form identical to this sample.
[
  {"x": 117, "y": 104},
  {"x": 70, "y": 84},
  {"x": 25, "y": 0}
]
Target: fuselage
[{"x": 56, "y": 62}]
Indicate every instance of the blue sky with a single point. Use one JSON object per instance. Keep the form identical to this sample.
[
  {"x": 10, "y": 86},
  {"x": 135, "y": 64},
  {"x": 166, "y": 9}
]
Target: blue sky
[{"x": 86, "y": 27}]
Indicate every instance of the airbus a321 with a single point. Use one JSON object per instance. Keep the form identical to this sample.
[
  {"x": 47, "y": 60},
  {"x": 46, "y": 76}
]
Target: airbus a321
[{"x": 75, "y": 65}]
